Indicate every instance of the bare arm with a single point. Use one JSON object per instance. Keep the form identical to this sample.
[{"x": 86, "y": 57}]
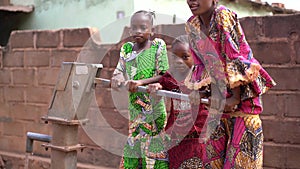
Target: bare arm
[
  {"x": 133, "y": 84},
  {"x": 150, "y": 80}
]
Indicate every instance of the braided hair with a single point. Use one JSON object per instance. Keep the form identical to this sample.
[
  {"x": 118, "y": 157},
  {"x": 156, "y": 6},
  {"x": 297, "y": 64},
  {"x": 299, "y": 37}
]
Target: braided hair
[
  {"x": 150, "y": 14},
  {"x": 182, "y": 39}
]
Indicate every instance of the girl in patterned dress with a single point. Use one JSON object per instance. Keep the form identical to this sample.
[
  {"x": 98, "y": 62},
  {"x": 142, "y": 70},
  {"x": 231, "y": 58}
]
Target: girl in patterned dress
[
  {"x": 142, "y": 62},
  {"x": 215, "y": 32},
  {"x": 186, "y": 148}
]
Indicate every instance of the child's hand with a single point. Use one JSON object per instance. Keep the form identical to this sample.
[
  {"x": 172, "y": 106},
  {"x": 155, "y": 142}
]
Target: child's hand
[
  {"x": 230, "y": 108},
  {"x": 132, "y": 85},
  {"x": 116, "y": 82},
  {"x": 152, "y": 88}
]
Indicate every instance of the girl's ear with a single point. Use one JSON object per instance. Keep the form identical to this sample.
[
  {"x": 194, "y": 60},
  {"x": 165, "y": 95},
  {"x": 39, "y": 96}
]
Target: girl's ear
[{"x": 152, "y": 31}]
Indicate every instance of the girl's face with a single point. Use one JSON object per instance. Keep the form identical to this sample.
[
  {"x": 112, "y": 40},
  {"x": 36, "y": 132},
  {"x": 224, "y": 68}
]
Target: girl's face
[
  {"x": 199, "y": 7},
  {"x": 182, "y": 55},
  {"x": 140, "y": 27}
]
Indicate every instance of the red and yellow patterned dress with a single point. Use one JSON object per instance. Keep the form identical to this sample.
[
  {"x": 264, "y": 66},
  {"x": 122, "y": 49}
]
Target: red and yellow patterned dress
[{"x": 235, "y": 66}]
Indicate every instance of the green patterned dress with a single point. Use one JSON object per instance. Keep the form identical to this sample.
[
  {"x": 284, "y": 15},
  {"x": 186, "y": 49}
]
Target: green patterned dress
[{"x": 145, "y": 145}]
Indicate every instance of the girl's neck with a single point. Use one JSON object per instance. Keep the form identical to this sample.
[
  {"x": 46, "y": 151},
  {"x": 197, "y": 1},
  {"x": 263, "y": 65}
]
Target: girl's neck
[
  {"x": 205, "y": 18},
  {"x": 143, "y": 45}
]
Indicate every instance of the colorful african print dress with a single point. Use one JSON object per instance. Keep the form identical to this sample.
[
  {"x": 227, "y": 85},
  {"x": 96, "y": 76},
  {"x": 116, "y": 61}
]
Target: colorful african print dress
[
  {"x": 225, "y": 56},
  {"x": 186, "y": 148},
  {"x": 145, "y": 145}
]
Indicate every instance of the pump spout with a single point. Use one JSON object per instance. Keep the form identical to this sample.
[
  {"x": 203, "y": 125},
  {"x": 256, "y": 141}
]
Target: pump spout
[{"x": 35, "y": 137}]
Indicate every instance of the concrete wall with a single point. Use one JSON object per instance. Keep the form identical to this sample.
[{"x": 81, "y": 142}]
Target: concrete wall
[{"x": 31, "y": 62}]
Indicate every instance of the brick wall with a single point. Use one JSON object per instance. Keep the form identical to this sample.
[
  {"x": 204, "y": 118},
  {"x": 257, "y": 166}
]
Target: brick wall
[
  {"x": 276, "y": 42},
  {"x": 30, "y": 65}
]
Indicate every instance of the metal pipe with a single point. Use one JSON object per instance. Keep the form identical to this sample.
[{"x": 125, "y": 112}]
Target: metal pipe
[
  {"x": 35, "y": 137},
  {"x": 163, "y": 93}
]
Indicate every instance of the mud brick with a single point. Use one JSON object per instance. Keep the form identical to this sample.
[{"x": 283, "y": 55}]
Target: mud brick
[
  {"x": 286, "y": 78},
  {"x": 47, "y": 39},
  {"x": 4, "y": 114},
  {"x": 273, "y": 104},
  {"x": 13, "y": 59},
  {"x": 93, "y": 56},
  {"x": 272, "y": 52},
  {"x": 171, "y": 30},
  {"x": 23, "y": 76},
  {"x": 293, "y": 153},
  {"x": 5, "y": 2},
  {"x": 297, "y": 48},
  {"x": 14, "y": 93},
  {"x": 21, "y": 39},
  {"x": 5, "y": 77},
  {"x": 292, "y": 105},
  {"x": 38, "y": 128},
  {"x": 47, "y": 76},
  {"x": 37, "y": 58},
  {"x": 275, "y": 130},
  {"x": 13, "y": 144},
  {"x": 13, "y": 129},
  {"x": 1, "y": 95},
  {"x": 293, "y": 134},
  {"x": 22, "y": 111},
  {"x": 59, "y": 56},
  {"x": 274, "y": 156},
  {"x": 39, "y": 94},
  {"x": 249, "y": 24},
  {"x": 269, "y": 167},
  {"x": 76, "y": 37},
  {"x": 273, "y": 25}
]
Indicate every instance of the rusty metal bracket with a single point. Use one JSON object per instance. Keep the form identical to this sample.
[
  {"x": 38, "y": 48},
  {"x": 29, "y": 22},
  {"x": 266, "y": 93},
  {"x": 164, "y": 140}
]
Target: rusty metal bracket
[{"x": 65, "y": 148}]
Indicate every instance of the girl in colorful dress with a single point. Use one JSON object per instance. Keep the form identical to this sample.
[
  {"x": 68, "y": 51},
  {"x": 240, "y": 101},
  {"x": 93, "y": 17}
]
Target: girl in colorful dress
[
  {"x": 142, "y": 62},
  {"x": 186, "y": 148},
  {"x": 223, "y": 57}
]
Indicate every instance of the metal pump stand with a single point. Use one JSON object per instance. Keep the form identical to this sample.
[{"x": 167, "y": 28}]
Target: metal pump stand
[
  {"x": 68, "y": 108},
  {"x": 70, "y": 102}
]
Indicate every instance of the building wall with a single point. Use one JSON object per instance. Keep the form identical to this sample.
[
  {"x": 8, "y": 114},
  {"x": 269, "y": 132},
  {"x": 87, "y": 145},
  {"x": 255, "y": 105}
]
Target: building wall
[
  {"x": 102, "y": 14},
  {"x": 57, "y": 14},
  {"x": 243, "y": 9},
  {"x": 30, "y": 64},
  {"x": 182, "y": 11}
]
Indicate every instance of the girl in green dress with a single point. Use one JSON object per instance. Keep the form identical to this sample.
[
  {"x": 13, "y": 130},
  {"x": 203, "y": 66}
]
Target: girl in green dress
[{"x": 141, "y": 62}]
